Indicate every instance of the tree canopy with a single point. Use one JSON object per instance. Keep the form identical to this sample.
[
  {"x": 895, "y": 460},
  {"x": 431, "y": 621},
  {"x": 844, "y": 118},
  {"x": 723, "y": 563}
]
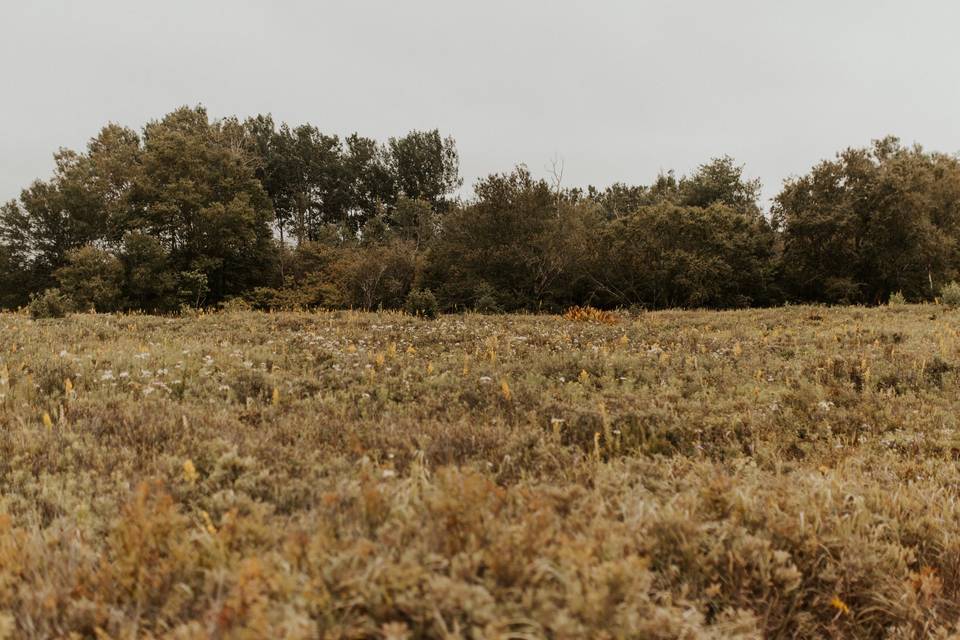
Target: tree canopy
[{"x": 194, "y": 211}]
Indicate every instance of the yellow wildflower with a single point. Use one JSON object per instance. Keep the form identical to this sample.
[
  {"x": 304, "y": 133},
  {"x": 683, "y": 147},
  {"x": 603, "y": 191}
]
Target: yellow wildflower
[
  {"x": 190, "y": 474},
  {"x": 840, "y": 605}
]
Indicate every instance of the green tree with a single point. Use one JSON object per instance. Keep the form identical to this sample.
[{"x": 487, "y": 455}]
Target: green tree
[
  {"x": 426, "y": 166},
  {"x": 91, "y": 278},
  {"x": 720, "y": 181},
  {"x": 667, "y": 255},
  {"x": 202, "y": 202},
  {"x": 512, "y": 238},
  {"x": 149, "y": 279},
  {"x": 872, "y": 222}
]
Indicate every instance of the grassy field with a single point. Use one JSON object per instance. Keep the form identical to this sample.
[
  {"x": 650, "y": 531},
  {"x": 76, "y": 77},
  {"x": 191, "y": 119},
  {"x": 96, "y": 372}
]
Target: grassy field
[{"x": 783, "y": 473}]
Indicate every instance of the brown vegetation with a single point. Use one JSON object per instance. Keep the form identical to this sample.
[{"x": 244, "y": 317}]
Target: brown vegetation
[{"x": 781, "y": 473}]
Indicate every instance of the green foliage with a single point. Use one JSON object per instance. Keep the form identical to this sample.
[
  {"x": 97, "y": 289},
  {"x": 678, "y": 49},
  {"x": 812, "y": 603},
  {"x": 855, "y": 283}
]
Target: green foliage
[
  {"x": 421, "y": 303},
  {"x": 150, "y": 280},
  {"x": 516, "y": 238},
  {"x": 720, "y": 181},
  {"x": 950, "y": 294},
  {"x": 374, "y": 276},
  {"x": 673, "y": 256},
  {"x": 871, "y": 222},
  {"x": 485, "y": 299},
  {"x": 91, "y": 279},
  {"x": 192, "y": 211},
  {"x": 427, "y": 167},
  {"x": 49, "y": 304},
  {"x": 192, "y": 288},
  {"x": 235, "y": 305}
]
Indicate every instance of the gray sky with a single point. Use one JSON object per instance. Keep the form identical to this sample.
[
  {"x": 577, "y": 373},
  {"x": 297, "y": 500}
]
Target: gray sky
[{"x": 618, "y": 89}]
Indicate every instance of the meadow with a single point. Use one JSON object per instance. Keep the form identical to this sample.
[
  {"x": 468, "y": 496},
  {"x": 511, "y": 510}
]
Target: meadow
[{"x": 781, "y": 473}]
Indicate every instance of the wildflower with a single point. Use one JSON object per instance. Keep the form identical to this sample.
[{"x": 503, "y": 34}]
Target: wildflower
[
  {"x": 275, "y": 399},
  {"x": 208, "y": 523},
  {"x": 840, "y": 605},
  {"x": 47, "y": 421},
  {"x": 190, "y": 474},
  {"x": 505, "y": 390},
  {"x": 429, "y": 368},
  {"x": 67, "y": 386},
  {"x": 584, "y": 376}
]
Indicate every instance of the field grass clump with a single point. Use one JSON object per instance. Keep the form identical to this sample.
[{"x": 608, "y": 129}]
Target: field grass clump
[{"x": 742, "y": 474}]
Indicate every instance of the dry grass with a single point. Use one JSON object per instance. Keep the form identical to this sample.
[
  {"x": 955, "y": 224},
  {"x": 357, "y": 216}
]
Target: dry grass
[
  {"x": 590, "y": 314},
  {"x": 781, "y": 473}
]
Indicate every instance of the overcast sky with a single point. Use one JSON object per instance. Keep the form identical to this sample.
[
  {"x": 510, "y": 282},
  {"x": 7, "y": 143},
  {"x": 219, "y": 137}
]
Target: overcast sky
[{"x": 618, "y": 89}]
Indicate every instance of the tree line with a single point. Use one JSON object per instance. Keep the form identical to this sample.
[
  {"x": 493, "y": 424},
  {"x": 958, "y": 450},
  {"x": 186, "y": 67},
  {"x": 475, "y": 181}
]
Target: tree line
[{"x": 192, "y": 211}]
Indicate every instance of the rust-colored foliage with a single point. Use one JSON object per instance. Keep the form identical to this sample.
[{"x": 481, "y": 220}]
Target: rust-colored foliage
[{"x": 590, "y": 314}]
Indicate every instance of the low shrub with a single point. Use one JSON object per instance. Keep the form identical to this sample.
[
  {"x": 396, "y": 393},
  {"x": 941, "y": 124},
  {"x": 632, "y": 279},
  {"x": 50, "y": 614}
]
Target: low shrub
[
  {"x": 422, "y": 303},
  {"x": 897, "y": 299},
  {"x": 49, "y": 304},
  {"x": 950, "y": 294}
]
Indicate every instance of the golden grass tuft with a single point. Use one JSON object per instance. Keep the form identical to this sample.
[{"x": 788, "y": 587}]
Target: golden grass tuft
[{"x": 591, "y": 314}]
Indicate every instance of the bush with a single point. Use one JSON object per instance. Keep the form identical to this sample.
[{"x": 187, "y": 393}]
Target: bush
[
  {"x": 897, "y": 299},
  {"x": 485, "y": 299},
  {"x": 235, "y": 305},
  {"x": 91, "y": 279},
  {"x": 950, "y": 294},
  {"x": 422, "y": 303},
  {"x": 49, "y": 304}
]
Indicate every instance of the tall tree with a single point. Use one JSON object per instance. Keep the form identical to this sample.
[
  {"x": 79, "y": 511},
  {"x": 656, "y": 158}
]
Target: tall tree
[
  {"x": 202, "y": 201},
  {"x": 720, "y": 181},
  {"x": 872, "y": 222},
  {"x": 426, "y": 166},
  {"x": 499, "y": 243}
]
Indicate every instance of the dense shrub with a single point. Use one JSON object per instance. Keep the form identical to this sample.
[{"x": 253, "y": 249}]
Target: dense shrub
[
  {"x": 950, "y": 294},
  {"x": 49, "y": 304},
  {"x": 91, "y": 279},
  {"x": 422, "y": 303}
]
